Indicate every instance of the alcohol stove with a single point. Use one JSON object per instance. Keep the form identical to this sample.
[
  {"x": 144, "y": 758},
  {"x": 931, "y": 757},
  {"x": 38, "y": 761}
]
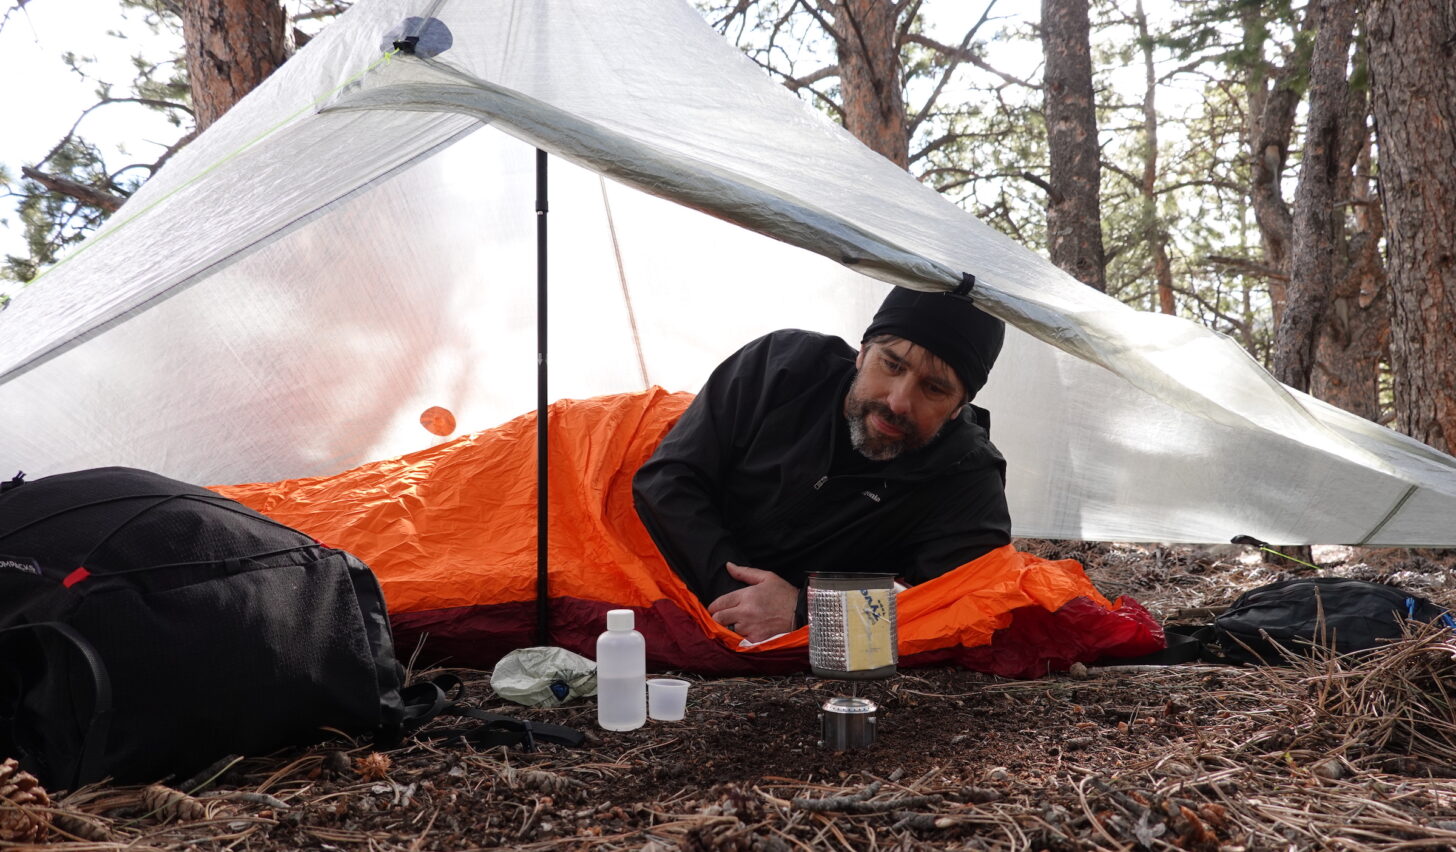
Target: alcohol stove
[{"x": 852, "y": 636}]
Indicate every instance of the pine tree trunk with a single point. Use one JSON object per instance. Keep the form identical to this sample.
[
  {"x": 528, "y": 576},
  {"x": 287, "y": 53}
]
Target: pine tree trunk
[
  {"x": 232, "y": 46},
  {"x": 1155, "y": 235},
  {"x": 1312, "y": 267},
  {"x": 1354, "y": 337},
  {"x": 1413, "y": 70},
  {"x": 1074, "y": 217},
  {"x": 1270, "y": 121},
  {"x": 869, "y": 75}
]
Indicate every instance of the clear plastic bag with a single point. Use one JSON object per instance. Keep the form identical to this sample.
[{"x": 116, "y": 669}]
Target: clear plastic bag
[{"x": 543, "y": 676}]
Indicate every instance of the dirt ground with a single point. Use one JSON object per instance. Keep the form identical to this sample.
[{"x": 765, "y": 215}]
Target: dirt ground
[{"x": 1325, "y": 755}]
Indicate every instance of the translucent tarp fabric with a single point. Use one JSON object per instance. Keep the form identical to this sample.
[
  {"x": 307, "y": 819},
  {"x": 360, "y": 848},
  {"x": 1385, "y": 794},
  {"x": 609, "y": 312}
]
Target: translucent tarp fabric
[
  {"x": 451, "y": 534},
  {"x": 354, "y": 243}
]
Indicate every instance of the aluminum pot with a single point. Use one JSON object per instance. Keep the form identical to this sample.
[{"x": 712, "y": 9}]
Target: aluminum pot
[{"x": 852, "y": 626}]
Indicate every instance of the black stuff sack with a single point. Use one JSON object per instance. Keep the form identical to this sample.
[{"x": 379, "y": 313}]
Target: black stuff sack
[
  {"x": 1329, "y": 612},
  {"x": 149, "y": 627}
]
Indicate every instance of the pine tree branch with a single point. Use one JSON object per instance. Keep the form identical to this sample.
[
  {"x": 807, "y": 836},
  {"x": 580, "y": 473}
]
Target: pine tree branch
[
  {"x": 935, "y": 145},
  {"x": 19, "y": 4},
  {"x": 71, "y": 134},
  {"x": 950, "y": 68},
  {"x": 967, "y": 55},
  {"x": 806, "y": 82},
  {"x": 335, "y": 9},
  {"x": 1194, "y": 295},
  {"x": 174, "y": 148},
  {"x": 1246, "y": 266},
  {"x": 822, "y": 21},
  {"x": 1053, "y": 196},
  {"x": 794, "y": 84},
  {"x": 740, "y": 9},
  {"x": 88, "y": 195}
]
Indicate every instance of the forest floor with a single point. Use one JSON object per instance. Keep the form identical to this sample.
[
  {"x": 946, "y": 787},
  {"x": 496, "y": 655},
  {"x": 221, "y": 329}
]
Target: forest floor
[{"x": 1328, "y": 754}]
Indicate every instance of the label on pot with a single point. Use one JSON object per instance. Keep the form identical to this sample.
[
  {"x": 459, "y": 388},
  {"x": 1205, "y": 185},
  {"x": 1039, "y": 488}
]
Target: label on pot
[
  {"x": 868, "y": 628},
  {"x": 852, "y": 629}
]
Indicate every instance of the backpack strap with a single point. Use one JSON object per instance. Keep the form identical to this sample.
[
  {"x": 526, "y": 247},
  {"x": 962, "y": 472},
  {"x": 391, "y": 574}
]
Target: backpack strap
[
  {"x": 89, "y": 765},
  {"x": 437, "y": 697},
  {"x": 508, "y": 731},
  {"x": 1185, "y": 644}
]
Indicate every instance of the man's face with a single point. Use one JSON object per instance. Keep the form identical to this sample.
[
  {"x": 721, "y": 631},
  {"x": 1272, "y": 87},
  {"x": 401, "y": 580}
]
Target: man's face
[{"x": 901, "y": 397}]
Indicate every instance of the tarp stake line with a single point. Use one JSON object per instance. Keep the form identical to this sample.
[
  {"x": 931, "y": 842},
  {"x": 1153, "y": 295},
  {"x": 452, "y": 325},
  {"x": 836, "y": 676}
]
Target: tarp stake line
[
  {"x": 622, "y": 278},
  {"x": 543, "y": 614},
  {"x": 1388, "y": 515}
]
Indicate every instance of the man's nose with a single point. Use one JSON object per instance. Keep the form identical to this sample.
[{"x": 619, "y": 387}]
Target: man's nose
[{"x": 899, "y": 398}]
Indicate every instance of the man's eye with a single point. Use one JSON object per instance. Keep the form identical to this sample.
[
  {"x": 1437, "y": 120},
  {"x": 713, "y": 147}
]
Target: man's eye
[{"x": 893, "y": 366}]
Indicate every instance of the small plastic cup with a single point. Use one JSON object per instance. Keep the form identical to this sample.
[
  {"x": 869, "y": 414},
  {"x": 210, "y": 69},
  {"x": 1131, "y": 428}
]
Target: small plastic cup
[{"x": 667, "y": 698}]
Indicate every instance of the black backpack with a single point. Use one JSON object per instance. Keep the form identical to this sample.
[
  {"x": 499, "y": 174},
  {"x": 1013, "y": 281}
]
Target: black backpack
[
  {"x": 149, "y": 627},
  {"x": 1331, "y": 612},
  {"x": 1269, "y": 624}
]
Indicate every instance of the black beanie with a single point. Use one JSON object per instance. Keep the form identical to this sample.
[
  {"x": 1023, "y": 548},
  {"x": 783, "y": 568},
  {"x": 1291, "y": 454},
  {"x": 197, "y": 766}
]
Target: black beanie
[{"x": 949, "y": 326}]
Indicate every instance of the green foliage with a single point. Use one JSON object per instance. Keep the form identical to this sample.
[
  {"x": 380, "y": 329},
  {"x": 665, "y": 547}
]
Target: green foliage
[{"x": 51, "y": 221}]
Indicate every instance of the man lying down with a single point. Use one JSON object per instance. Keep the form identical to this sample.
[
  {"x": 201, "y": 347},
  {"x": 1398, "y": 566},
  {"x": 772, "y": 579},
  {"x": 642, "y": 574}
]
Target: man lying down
[{"x": 802, "y": 454}]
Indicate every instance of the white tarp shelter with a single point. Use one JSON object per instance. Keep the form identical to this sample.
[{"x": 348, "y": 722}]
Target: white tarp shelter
[{"x": 355, "y": 242}]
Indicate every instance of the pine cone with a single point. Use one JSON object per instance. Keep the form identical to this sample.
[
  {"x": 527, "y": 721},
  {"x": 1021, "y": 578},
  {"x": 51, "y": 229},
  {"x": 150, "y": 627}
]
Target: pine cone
[
  {"x": 168, "y": 803},
  {"x": 24, "y": 806}
]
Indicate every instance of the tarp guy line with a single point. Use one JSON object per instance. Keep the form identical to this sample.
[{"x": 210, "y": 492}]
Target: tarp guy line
[{"x": 622, "y": 276}]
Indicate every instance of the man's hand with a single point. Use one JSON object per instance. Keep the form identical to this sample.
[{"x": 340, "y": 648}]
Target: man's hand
[{"x": 761, "y": 611}]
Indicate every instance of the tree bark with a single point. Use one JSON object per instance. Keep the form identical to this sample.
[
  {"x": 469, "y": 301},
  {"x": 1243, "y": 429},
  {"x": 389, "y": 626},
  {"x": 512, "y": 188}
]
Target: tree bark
[
  {"x": 1273, "y": 99},
  {"x": 1155, "y": 235},
  {"x": 232, "y": 46},
  {"x": 1074, "y": 217},
  {"x": 867, "y": 41},
  {"x": 1312, "y": 268},
  {"x": 1413, "y": 69},
  {"x": 88, "y": 195},
  {"x": 1354, "y": 337}
]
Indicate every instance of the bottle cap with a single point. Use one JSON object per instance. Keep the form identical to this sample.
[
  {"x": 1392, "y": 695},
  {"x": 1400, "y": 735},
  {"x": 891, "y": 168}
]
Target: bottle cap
[{"x": 620, "y": 619}]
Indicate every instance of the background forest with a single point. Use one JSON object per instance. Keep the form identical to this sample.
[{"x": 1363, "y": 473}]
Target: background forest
[{"x": 1278, "y": 171}]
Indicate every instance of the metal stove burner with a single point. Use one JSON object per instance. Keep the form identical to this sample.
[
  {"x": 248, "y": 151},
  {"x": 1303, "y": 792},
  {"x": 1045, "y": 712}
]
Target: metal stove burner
[{"x": 847, "y": 723}]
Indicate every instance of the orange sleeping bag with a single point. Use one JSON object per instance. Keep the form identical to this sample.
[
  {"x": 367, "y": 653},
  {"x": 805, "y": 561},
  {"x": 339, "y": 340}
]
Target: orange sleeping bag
[{"x": 451, "y": 533}]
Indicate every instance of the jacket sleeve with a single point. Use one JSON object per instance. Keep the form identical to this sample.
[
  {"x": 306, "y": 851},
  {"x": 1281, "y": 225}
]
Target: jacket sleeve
[{"x": 678, "y": 491}]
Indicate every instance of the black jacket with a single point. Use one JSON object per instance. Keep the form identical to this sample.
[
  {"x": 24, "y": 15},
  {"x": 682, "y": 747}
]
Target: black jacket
[{"x": 748, "y": 475}]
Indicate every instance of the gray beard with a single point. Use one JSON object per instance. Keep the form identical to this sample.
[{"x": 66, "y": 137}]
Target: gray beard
[{"x": 859, "y": 438}]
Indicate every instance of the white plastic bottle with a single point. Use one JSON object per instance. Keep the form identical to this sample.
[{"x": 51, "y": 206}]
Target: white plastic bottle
[{"x": 621, "y": 674}]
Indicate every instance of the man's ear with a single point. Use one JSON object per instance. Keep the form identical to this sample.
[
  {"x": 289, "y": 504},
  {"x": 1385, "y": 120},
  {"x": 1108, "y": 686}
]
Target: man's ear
[
  {"x": 956, "y": 415},
  {"x": 859, "y": 359}
]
